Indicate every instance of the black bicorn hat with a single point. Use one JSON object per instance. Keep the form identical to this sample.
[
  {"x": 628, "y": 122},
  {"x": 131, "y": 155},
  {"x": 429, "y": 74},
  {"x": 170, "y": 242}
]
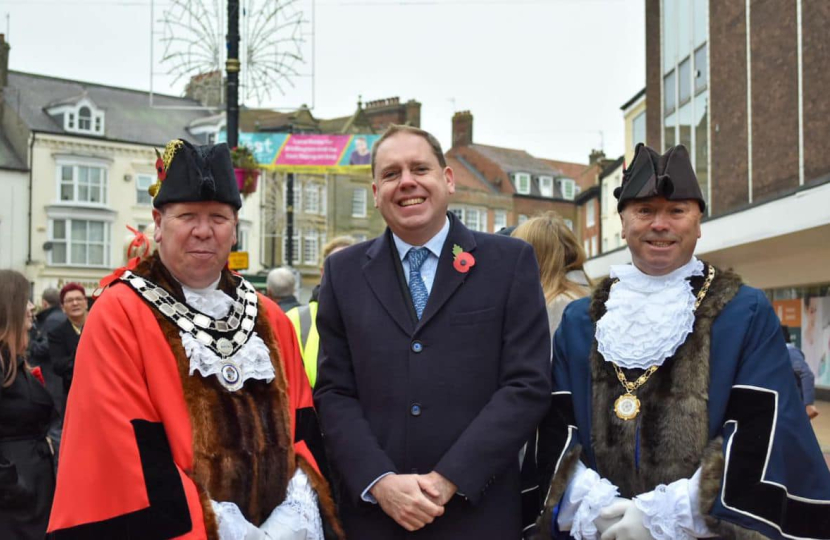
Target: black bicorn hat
[
  {"x": 188, "y": 173},
  {"x": 670, "y": 176}
]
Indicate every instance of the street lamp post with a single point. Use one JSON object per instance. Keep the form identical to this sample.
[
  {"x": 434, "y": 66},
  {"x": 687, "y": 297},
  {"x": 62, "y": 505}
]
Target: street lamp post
[{"x": 232, "y": 67}]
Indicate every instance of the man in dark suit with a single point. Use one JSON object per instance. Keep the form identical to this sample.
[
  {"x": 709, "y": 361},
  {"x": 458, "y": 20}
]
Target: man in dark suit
[{"x": 435, "y": 361}]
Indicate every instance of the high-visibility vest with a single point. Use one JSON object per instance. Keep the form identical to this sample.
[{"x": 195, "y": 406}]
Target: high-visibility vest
[{"x": 304, "y": 319}]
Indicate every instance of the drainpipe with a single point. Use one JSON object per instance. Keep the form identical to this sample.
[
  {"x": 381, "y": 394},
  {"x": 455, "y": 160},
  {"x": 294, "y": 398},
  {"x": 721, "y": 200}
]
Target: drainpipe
[{"x": 31, "y": 178}]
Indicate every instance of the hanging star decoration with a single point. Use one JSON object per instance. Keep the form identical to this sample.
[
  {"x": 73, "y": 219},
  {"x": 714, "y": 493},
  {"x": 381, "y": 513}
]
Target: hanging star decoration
[
  {"x": 162, "y": 164},
  {"x": 462, "y": 261}
]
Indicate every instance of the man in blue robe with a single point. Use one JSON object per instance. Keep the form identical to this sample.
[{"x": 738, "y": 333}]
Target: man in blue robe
[{"x": 675, "y": 413}]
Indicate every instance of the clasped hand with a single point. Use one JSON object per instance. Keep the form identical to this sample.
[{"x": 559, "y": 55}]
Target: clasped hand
[
  {"x": 622, "y": 520},
  {"x": 413, "y": 500}
]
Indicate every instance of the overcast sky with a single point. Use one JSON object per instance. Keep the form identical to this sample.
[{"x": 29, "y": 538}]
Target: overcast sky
[{"x": 547, "y": 76}]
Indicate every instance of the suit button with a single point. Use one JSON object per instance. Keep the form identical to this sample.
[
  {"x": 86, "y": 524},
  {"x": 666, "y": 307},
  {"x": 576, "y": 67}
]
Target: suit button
[
  {"x": 417, "y": 346},
  {"x": 415, "y": 409}
]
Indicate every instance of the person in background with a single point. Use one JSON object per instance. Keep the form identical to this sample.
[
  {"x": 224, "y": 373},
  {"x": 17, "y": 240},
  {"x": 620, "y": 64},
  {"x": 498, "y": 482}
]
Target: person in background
[
  {"x": 50, "y": 314},
  {"x": 27, "y": 478},
  {"x": 805, "y": 378},
  {"x": 304, "y": 318},
  {"x": 560, "y": 259},
  {"x": 280, "y": 287},
  {"x": 64, "y": 338}
]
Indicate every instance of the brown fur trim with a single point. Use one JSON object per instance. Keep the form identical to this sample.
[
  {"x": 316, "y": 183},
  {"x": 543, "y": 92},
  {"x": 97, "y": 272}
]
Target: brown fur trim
[
  {"x": 558, "y": 484},
  {"x": 208, "y": 515},
  {"x": 328, "y": 510},
  {"x": 711, "y": 479},
  {"x": 243, "y": 451},
  {"x": 672, "y": 427}
]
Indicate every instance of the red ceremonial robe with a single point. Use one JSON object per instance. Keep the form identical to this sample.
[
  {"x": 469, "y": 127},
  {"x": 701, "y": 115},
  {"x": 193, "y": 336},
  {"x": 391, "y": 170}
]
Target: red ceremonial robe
[{"x": 127, "y": 467}]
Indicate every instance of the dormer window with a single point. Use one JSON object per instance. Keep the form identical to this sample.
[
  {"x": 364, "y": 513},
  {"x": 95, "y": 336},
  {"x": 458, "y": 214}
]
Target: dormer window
[
  {"x": 546, "y": 186},
  {"x": 78, "y": 115},
  {"x": 568, "y": 189},
  {"x": 84, "y": 119},
  {"x": 523, "y": 183}
]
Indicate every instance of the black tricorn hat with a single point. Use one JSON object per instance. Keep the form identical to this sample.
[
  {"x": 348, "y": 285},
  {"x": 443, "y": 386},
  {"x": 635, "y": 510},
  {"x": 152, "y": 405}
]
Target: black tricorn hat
[
  {"x": 670, "y": 176},
  {"x": 188, "y": 173}
]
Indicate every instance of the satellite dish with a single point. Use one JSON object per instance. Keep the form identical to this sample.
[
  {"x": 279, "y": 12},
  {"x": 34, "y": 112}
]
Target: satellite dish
[{"x": 47, "y": 246}]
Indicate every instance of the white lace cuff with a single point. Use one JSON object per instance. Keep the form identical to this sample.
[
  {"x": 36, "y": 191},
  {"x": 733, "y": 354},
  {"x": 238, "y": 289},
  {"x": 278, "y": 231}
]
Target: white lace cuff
[
  {"x": 232, "y": 524},
  {"x": 586, "y": 496},
  {"x": 671, "y": 512},
  {"x": 298, "y": 517}
]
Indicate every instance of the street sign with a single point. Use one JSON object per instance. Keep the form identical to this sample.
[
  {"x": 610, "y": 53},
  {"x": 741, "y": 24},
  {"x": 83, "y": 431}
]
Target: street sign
[{"x": 238, "y": 260}]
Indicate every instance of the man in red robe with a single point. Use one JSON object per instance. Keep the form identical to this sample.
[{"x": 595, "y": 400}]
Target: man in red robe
[{"x": 190, "y": 415}]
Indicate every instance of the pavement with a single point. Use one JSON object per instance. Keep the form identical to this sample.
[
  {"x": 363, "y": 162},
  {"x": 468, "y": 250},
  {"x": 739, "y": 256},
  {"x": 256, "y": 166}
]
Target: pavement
[{"x": 821, "y": 425}]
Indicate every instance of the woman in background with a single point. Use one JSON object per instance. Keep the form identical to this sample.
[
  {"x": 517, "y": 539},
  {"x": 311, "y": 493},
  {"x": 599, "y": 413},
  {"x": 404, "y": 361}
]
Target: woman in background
[
  {"x": 560, "y": 260},
  {"x": 27, "y": 478}
]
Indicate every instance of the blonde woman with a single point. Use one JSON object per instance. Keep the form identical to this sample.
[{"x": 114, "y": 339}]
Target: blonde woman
[
  {"x": 27, "y": 479},
  {"x": 560, "y": 260}
]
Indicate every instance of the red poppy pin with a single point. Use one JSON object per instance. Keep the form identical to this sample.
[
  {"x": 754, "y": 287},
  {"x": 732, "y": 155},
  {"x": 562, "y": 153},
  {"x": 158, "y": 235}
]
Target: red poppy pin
[
  {"x": 38, "y": 373},
  {"x": 462, "y": 261}
]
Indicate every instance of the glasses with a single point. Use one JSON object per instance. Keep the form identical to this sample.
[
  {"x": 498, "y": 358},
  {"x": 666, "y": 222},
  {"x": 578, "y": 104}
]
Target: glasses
[{"x": 74, "y": 300}]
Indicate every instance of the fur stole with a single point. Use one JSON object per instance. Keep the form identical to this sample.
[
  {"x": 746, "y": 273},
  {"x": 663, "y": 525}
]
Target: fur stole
[
  {"x": 667, "y": 440},
  {"x": 242, "y": 446}
]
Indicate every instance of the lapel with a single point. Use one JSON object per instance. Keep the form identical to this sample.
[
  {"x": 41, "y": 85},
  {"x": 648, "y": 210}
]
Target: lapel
[
  {"x": 382, "y": 271},
  {"x": 447, "y": 278}
]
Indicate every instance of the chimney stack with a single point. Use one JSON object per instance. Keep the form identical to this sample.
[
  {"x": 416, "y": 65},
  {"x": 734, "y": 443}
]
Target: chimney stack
[
  {"x": 596, "y": 156},
  {"x": 4, "y": 61},
  {"x": 462, "y": 128}
]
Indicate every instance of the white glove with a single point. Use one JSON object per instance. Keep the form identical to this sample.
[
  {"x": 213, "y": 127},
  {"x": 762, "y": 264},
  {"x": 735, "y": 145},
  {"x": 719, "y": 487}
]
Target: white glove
[
  {"x": 603, "y": 523},
  {"x": 630, "y": 527},
  {"x": 233, "y": 525}
]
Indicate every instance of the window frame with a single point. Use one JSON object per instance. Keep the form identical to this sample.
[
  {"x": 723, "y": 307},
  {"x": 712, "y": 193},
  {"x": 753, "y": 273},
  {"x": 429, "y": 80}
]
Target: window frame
[
  {"x": 75, "y": 164},
  {"x": 362, "y": 213},
  {"x": 546, "y": 186},
  {"x": 67, "y": 240},
  {"x": 521, "y": 178},
  {"x": 142, "y": 192}
]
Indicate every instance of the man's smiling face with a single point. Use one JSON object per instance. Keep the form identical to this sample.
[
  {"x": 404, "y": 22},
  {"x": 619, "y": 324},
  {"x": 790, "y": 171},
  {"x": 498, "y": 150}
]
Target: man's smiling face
[
  {"x": 411, "y": 188},
  {"x": 661, "y": 234}
]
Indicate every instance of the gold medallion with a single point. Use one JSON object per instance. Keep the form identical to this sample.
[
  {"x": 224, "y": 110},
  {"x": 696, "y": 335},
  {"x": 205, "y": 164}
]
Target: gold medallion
[{"x": 627, "y": 406}]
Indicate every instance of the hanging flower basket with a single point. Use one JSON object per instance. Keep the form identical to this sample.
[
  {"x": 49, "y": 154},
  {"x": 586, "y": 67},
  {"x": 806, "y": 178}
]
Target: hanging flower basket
[
  {"x": 246, "y": 169},
  {"x": 247, "y": 180}
]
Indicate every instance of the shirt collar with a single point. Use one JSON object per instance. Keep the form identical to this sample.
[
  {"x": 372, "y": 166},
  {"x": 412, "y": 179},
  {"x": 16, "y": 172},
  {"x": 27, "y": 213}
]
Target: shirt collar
[
  {"x": 202, "y": 292},
  {"x": 434, "y": 244}
]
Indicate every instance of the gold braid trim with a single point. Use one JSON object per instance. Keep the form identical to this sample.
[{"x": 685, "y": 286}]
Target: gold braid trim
[{"x": 169, "y": 152}]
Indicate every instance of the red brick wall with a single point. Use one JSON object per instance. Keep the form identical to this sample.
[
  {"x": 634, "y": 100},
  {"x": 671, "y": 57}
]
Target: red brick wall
[
  {"x": 727, "y": 87},
  {"x": 774, "y": 47},
  {"x": 815, "y": 18}
]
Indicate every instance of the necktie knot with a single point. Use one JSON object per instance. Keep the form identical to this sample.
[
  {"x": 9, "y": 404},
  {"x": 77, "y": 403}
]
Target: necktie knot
[{"x": 417, "y": 256}]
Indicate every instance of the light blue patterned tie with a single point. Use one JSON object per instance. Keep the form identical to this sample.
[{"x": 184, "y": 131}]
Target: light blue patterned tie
[{"x": 417, "y": 288}]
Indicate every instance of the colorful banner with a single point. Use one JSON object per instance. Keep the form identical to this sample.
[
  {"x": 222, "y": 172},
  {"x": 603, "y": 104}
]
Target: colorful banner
[{"x": 309, "y": 153}]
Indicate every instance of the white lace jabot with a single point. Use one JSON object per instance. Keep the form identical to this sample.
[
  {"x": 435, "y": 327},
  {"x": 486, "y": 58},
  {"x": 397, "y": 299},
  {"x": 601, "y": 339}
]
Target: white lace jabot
[
  {"x": 647, "y": 317},
  {"x": 253, "y": 358}
]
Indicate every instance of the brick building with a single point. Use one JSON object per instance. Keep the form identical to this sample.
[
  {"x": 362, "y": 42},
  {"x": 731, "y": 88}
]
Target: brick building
[{"x": 530, "y": 184}]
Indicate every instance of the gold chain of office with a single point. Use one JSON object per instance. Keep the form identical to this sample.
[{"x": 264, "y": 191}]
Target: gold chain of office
[{"x": 627, "y": 406}]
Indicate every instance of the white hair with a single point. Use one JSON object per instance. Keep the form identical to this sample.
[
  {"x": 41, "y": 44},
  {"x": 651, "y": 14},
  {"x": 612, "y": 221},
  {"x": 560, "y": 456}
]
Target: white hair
[{"x": 281, "y": 282}]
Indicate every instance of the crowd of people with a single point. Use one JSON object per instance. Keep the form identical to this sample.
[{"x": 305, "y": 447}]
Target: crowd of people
[{"x": 440, "y": 383}]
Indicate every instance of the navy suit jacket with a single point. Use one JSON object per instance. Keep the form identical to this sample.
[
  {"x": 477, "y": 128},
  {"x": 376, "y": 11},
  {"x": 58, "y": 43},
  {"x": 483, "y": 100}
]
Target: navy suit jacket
[{"x": 457, "y": 392}]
